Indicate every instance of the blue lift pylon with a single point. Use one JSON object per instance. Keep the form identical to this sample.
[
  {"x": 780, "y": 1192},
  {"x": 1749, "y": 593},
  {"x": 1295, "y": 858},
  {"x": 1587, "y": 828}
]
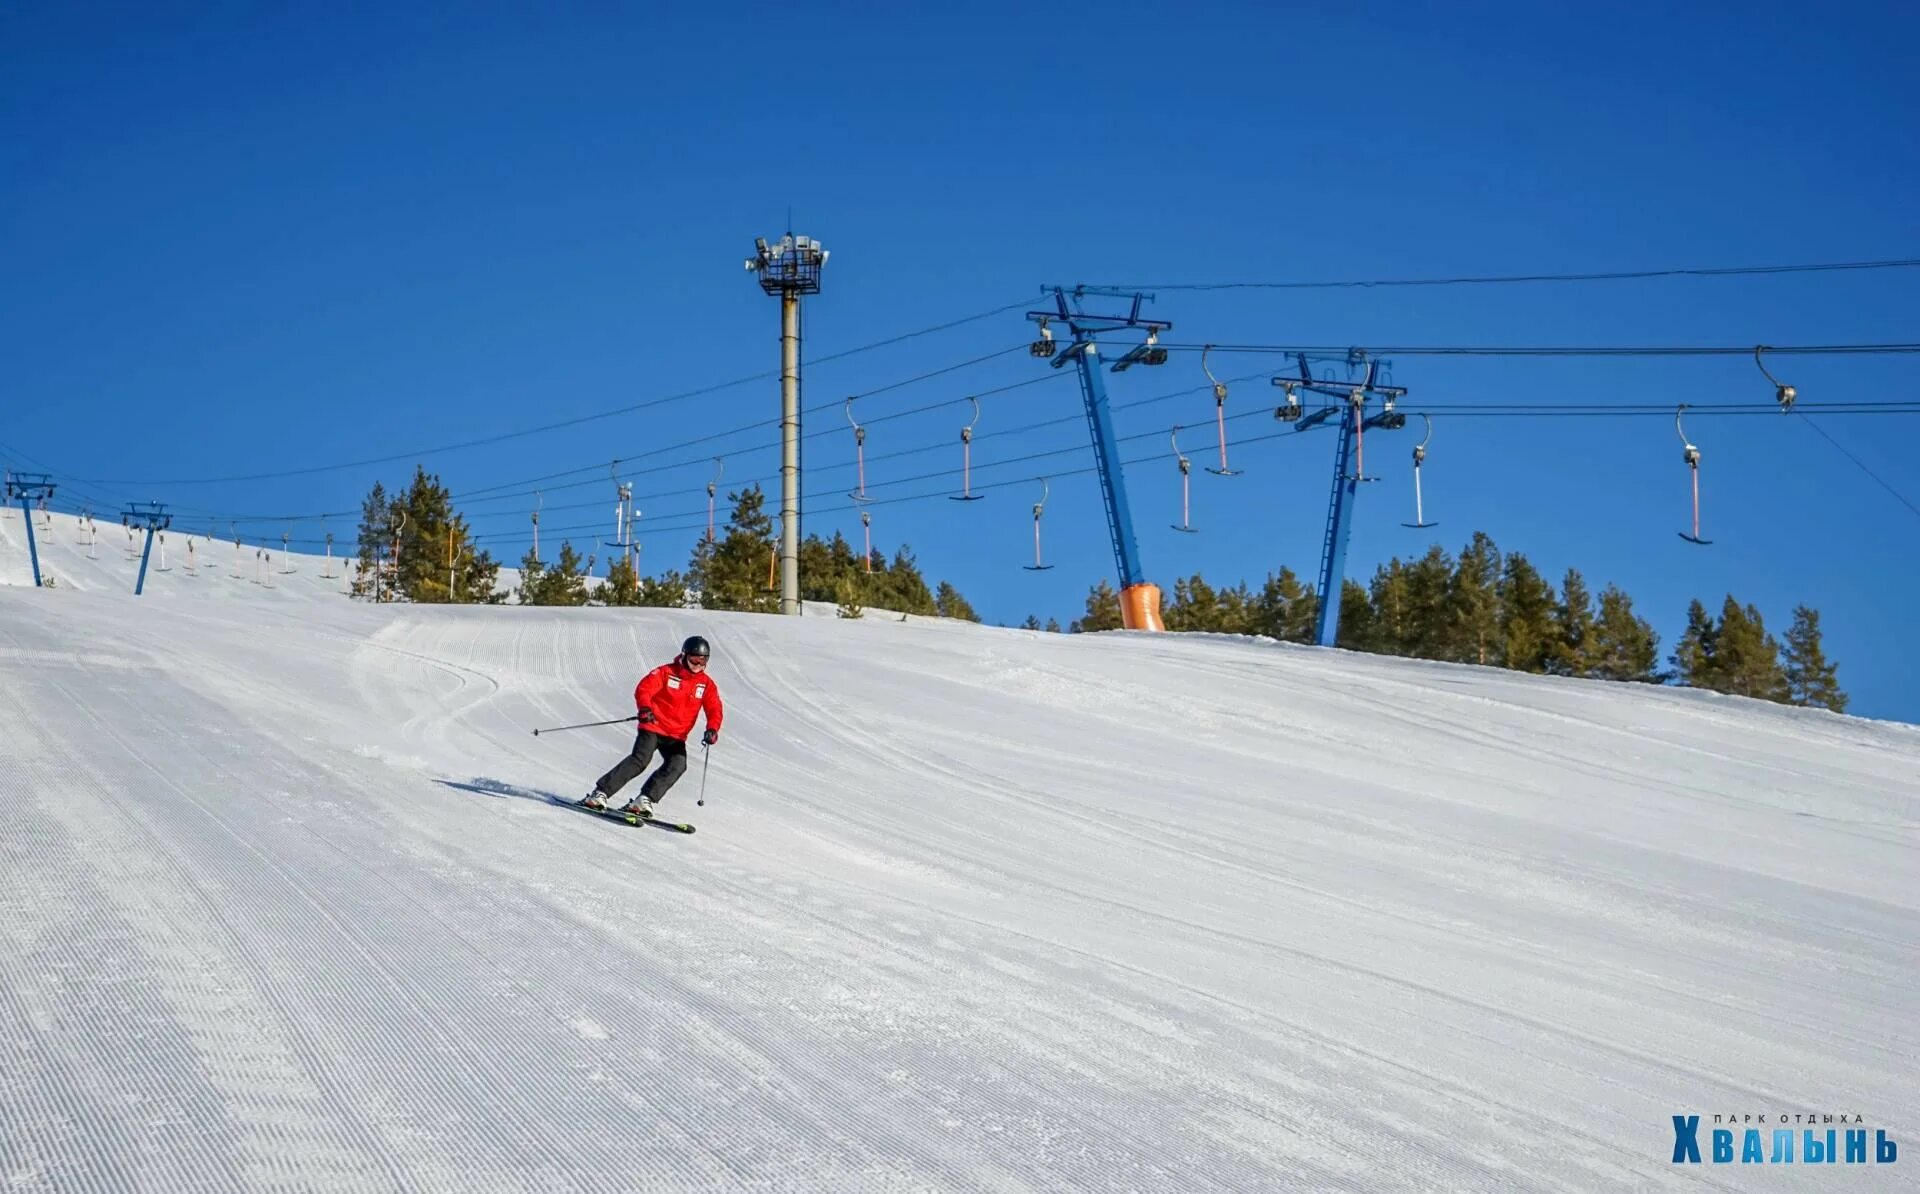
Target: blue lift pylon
[
  {"x": 1347, "y": 462},
  {"x": 1139, "y": 601},
  {"x": 30, "y": 487},
  {"x": 151, "y": 517}
]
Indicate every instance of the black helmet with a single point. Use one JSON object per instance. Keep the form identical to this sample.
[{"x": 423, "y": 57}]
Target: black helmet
[{"x": 696, "y": 646}]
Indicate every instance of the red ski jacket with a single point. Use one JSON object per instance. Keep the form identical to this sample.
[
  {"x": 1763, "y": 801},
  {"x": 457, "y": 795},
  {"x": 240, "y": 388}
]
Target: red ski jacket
[{"x": 677, "y": 694}]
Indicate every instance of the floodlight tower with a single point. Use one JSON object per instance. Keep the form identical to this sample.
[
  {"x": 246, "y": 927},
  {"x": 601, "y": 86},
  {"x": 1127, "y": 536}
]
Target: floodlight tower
[
  {"x": 789, "y": 269},
  {"x": 30, "y": 487}
]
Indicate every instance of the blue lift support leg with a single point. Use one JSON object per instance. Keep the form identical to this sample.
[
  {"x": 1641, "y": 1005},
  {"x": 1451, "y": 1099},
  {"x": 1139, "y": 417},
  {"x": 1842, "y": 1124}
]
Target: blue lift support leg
[
  {"x": 152, "y": 516},
  {"x": 1106, "y": 451},
  {"x": 33, "y": 549},
  {"x": 35, "y": 487},
  {"x": 1354, "y": 421},
  {"x": 1139, "y": 600},
  {"x": 1333, "y": 551},
  {"x": 141, "y": 582}
]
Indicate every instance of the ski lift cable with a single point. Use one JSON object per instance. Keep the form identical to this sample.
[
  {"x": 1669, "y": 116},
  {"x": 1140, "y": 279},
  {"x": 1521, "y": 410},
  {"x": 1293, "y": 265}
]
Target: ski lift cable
[
  {"x": 1613, "y": 276},
  {"x": 632, "y": 408},
  {"x": 1635, "y": 410},
  {"x": 1658, "y": 350}
]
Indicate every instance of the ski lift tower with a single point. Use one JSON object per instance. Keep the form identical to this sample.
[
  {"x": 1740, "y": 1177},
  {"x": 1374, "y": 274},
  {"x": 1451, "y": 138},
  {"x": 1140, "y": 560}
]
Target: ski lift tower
[
  {"x": 30, "y": 487},
  {"x": 1348, "y": 461},
  {"x": 149, "y": 517},
  {"x": 1139, "y": 601},
  {"x": 789, "y": 269}
]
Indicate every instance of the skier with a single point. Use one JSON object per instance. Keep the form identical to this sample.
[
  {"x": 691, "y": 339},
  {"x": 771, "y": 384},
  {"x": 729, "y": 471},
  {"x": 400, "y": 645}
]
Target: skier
[{"x": 669, "y": 697}]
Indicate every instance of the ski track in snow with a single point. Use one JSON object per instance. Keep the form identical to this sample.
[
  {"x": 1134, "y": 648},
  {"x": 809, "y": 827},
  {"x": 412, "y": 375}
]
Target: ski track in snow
[{"x": 285, "y": 905}]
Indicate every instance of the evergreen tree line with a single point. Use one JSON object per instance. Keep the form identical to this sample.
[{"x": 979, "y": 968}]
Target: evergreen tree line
[
  {"x": 1482, "y": 606},
  {"x": 414, "y": 547},
  {"x": 1496, "y": 609},
  {"x": 735, "y": 571}
]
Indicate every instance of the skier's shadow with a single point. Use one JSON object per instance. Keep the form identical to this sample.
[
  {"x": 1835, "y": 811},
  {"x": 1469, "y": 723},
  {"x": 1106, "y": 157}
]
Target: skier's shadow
[{"x": 483, "y": 786}]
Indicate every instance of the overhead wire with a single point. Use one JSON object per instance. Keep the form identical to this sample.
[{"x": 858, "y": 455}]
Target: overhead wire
[
  {"x": 564, "y": 423},
  {"x": 1502, "y": 279},
  {"x": 665, "y": 523},
  {"x": 1555, "y": 351},
  {"x": 1462, "y": 410},
  {"x": 1838, "y": 446}
]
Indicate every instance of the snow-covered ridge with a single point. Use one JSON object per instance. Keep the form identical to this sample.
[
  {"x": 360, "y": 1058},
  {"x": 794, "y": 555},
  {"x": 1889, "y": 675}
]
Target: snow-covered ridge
[{"x": 284, "y": 904}]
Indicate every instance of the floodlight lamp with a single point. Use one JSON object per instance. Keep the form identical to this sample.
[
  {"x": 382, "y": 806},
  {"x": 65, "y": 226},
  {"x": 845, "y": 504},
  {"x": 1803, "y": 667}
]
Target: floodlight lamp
[{"x": 760, "y": 243}]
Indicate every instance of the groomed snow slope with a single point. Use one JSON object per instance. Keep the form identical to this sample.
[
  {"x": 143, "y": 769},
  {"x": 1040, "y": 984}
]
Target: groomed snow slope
[{"x": 283, "y": 905}]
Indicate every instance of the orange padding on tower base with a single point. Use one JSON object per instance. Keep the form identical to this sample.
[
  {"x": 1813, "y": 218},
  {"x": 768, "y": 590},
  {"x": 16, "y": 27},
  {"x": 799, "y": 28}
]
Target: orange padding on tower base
[{"x": 1140, "y": 607}]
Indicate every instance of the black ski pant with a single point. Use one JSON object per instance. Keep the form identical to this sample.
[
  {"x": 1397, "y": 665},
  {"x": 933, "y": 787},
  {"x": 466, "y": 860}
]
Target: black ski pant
[{"x": 672, "y": 750}]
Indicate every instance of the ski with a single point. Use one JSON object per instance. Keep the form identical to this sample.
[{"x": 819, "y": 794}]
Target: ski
[{"x": 611, "y": 814}]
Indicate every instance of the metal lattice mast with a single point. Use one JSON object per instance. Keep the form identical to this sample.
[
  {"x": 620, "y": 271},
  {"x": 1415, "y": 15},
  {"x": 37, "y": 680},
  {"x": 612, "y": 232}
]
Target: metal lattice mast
[{"x": 789, "y": 269}]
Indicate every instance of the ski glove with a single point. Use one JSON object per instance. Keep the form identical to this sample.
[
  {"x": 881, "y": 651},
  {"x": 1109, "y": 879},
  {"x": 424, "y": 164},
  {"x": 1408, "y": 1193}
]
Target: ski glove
[
  {"x": 646, "y": 717},
  {"x": 710, "y": 737}
]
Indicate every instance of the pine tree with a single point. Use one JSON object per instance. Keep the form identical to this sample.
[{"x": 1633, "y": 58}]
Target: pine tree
[
  {"x": 533, "y": 579},
  {"x": 1429, "y": 580},
  {"x": 1284, "y": 609},
  {"x": 1032, "y": 623},
  {"x": 903, "y": 587},
  {"x": 1747, "y": 658},
  {"x": 479, "y": 579},
  {"x": 1473, "y": 604},
  {"x": 1811, "y": 680},
  {"x": 1236, "y": 609},
  {"x": 432, "y": 540},
  {"x": 1528, "y": 627},
  {"x": 1695, "y": 656},
  {"x": 1195, "y": 606},
  {"x": 1103, "y": 610},
  {"x": 669, "y": 590},
  {"x": 851, "y": 604},
  {"x": 376, "y": 517},
  {"x": 1393, "y": 623},
  {"x": 1053, "y": 626},
  {"x": 623, "y": 583},
  {"x": 1568, "y": 655},
  {"x": 1356, "y": 629},
  {"x": 948, "y": 603},
  {"x": 566, "y": 581},
  {"x": 732, "y": 573},
  {"x": 1623, "y": 645}
]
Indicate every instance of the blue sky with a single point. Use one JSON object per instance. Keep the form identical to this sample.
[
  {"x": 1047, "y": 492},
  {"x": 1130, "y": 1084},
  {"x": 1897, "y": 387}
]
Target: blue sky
[{"x": 247, "y": 240}]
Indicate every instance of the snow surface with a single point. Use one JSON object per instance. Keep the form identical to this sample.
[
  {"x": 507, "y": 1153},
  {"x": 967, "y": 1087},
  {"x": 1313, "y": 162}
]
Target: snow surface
[{"x": 284, "y": 905}]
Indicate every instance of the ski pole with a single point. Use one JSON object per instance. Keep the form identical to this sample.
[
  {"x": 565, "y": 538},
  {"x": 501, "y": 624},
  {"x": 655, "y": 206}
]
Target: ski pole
[
  {"x": 584, "y": 725},
  {"x": 706, "y": 757}
]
